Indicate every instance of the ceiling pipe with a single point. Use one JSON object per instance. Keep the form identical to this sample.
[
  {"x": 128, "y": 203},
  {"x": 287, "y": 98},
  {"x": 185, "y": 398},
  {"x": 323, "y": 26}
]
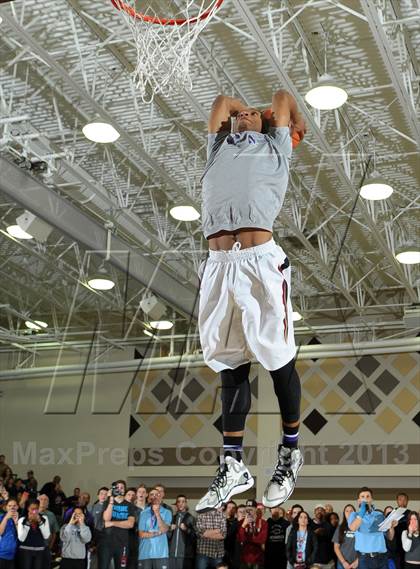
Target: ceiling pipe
[{"x": 356, "y": 350}]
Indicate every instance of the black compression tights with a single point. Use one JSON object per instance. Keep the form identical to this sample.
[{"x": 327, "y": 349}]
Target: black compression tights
[{"x": 236, "y": 395}]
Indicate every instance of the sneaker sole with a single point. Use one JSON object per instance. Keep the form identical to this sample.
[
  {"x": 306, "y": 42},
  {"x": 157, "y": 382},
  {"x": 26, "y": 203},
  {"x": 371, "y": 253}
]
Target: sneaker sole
[
  {"x": 269, "y": 504},
  {"x": 236, "y": 490}
]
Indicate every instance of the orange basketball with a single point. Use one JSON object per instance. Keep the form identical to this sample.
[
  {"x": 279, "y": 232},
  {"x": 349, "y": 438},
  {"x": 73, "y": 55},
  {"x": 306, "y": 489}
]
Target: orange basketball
[{"x": 296, "y": 139}]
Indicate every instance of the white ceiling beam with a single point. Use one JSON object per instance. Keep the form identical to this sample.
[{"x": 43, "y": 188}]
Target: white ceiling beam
[
  {"x": 59, "y": 213},
  {"x": 356, "y": 349}
]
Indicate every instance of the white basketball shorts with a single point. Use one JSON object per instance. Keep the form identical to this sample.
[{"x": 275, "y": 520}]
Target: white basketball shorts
[{"x": 245, "y": 309}]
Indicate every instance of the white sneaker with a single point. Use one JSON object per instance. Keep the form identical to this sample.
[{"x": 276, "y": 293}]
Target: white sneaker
[
  {"x": 232, "y": 478},
  {"x": 283, "y": 479}
]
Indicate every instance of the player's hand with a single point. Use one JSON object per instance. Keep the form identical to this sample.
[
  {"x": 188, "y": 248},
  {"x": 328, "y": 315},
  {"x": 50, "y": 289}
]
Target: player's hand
[
  {"x": 183, "y": 526},
  {"x": 108, "y": 524},
  {"x": 156, "y": 508}
]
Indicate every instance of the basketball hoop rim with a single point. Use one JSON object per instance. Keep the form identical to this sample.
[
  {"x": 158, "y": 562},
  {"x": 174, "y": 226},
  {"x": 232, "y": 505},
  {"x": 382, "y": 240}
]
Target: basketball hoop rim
[{"x": 122, "y": 6}]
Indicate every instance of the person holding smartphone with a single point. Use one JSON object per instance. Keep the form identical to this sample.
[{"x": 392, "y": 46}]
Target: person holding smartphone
[
  {"x": 369, "y": 540},
  {"x": 75, "y": 536},
  {"x": 8, "y": 534},
  {"x": 33, "y": 532},
  {"x": 252, "y": 534}
]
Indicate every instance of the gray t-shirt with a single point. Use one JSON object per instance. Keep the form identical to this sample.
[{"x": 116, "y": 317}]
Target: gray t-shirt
[
  {"x": 347, "y": 547},
  {"x": 245, "y": 179}
]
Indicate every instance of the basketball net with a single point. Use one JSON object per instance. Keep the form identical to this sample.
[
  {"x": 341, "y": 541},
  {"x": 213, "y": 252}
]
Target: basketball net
[{"x": 164, "y": 45}]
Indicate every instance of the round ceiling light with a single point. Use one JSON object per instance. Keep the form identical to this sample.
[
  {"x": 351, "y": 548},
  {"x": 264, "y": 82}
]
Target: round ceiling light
[
  {"x": 296, "y": 316},
  {"x": 326, "y": 94},
  {"x": 408, "y": 255},
  {"x": 102, "y": 132},
  {"x": 184, "y": 213},
  {"x": 161, "y": 324},
  {"x": 35, "y": 324},
  {"x": 101, "y": 283},
  {"x": 376, "y": 188},
  {"x": 17, "y": 232}
]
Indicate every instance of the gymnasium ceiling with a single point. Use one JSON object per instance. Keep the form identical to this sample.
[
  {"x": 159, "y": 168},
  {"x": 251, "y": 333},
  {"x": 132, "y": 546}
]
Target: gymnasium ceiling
[{"x": 64, "y": 62}]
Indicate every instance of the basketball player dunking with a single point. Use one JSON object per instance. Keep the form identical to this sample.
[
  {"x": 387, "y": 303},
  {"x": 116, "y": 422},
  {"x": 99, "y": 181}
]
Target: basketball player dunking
[{"x": 245, "y": 307}]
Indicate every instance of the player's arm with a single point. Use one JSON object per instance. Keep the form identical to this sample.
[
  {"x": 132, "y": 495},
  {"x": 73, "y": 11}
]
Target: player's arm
[
  {"x": 284, "y": 108},
  {"x": 285, "y": 113},
  {"x": 222, "y": 109}
]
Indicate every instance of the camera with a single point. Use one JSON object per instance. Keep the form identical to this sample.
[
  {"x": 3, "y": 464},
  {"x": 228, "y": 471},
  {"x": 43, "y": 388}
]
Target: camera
[{"x": 115, "y": 491}]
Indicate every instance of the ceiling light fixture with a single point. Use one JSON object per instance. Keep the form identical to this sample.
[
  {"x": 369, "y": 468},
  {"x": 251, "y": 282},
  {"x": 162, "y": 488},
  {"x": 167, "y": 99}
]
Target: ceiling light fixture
[
  {"x": 101, "y": 280},
  {"x": 296, "y": 316},
  {"x": 101, "y": 283},
  {"x": 98, "y": 131},
  {"x": 326, "y": 94},
  {"x": 18, "y": 232},
  {"x": 184, "y": 213},
  {"x": 35, "y": 324},
  {"x": 408, "y": 254},
  {"x": 376, "y": 188},
  {"x": 161, "y": 324}
]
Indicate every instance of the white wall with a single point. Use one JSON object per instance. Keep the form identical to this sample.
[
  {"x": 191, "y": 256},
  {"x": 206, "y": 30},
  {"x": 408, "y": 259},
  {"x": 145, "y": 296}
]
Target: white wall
[{"x": 43, "y": 428}]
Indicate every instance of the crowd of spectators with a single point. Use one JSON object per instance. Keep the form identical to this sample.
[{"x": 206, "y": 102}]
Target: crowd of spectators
[{"x": 134, "y": 528}]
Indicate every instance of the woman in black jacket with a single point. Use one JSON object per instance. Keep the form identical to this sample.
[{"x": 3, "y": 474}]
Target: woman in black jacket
[
  {"x": 33, "y": 531},
  {"x": 302, "y": 544}
]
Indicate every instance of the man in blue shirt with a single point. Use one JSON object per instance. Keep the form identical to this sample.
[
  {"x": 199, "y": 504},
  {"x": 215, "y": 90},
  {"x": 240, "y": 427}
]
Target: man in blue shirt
[
  {"x": 154, "y": 523},
  {"x": 369, "y": 541}
]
